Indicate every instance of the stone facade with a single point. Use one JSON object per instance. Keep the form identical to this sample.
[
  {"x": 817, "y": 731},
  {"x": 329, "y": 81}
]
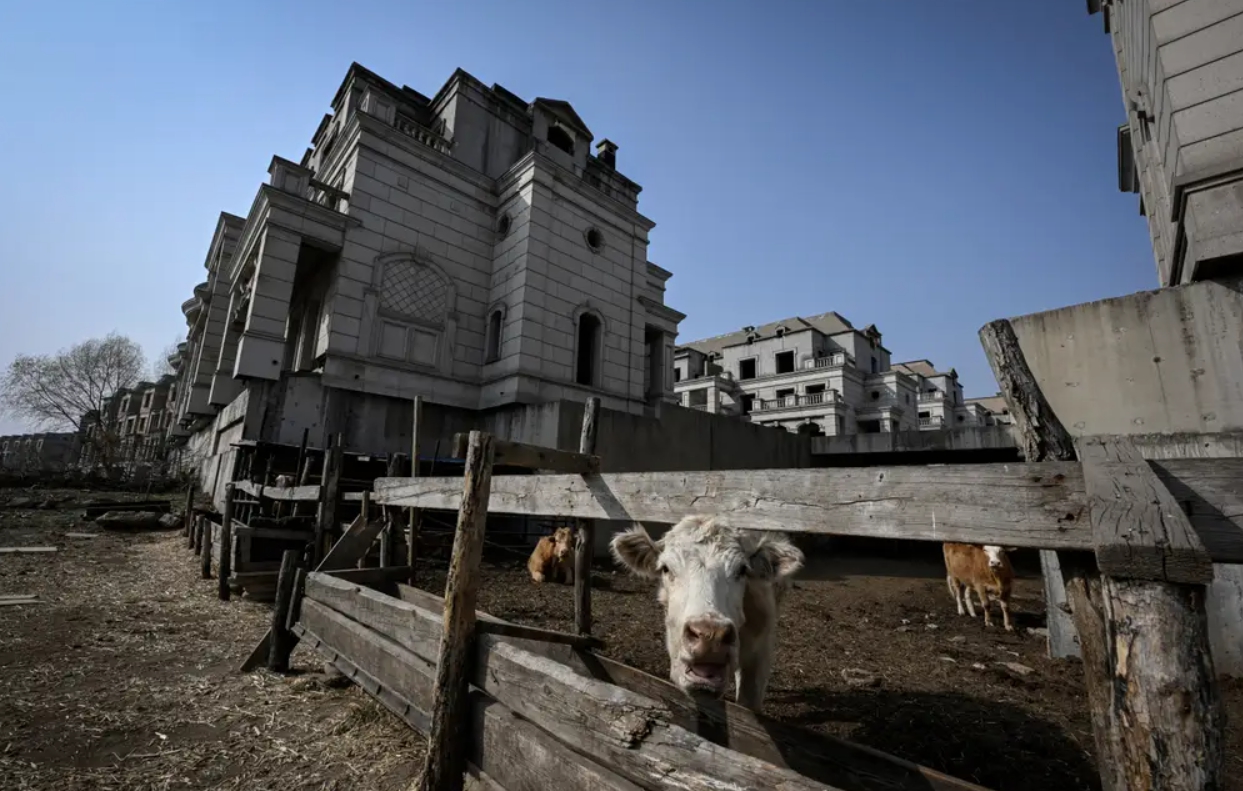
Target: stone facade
[
  {"x": 35, "y": 453},
  {"x": 134, "y": 425},
  {"x": 1180, "y": 66},
  {"x": 821, "y": 376},
  {"x": 466, "y": 247}
]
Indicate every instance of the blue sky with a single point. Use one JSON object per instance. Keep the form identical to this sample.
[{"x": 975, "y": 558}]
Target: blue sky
[{"x": 924, "y": 166}]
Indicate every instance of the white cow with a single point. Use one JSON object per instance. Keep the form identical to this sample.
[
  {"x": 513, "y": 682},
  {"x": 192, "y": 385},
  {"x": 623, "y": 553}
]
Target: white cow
[{"x": 721, "y": 588}]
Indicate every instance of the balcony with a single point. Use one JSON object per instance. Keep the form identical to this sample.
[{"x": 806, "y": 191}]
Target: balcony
[
  {"x": 933, "y": 396},
  {"x": 835, "y": 360},
  {"x": 422, "y": 134},
  {"x": 932, "y": 422},
  {"x": 799, "y": 401}
]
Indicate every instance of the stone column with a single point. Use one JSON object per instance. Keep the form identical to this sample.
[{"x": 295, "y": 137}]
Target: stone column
[{"x": 261, "y": 349}]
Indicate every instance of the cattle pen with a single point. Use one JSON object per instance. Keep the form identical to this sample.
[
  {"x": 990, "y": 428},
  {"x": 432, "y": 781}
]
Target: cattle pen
[{"x": 536, "y": 704}]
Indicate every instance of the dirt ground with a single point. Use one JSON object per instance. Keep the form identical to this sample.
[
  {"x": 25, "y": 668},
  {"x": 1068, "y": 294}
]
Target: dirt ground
[{"x": 123, "y": 676}]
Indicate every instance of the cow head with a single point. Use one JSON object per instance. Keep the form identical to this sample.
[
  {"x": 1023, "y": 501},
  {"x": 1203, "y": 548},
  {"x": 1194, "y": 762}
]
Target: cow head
[
  {"x": 996, "y": 556},
  {"x": 562, "y": 543},
  {"x": 704, "y": 567}
]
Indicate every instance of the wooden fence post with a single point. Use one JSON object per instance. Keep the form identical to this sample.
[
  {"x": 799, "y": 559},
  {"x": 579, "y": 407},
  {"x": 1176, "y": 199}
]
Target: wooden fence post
[
  {"x": 1157, "y": 715},
  {"x": 412, "y": 535},
  {"x": 445, "y": 762},
  {"x": 226, "y": 543},
  {"x": 586, "y": 544},
  {"x": 281, "y": 644},
  {"x": 205, "y": 548},
  {"x": 187, "y": 518},
  {"x": 329, "y": 494}
]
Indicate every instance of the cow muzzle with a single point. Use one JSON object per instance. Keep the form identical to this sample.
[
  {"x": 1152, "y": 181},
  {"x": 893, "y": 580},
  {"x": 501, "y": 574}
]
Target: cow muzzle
[{"x": 708, "y": 647}]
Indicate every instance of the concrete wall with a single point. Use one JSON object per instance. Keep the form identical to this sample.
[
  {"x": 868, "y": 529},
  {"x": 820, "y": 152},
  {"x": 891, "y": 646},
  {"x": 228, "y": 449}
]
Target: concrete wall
[
  {"x": 976, "y": 438},
  {"x": 1156, "y": 362}
]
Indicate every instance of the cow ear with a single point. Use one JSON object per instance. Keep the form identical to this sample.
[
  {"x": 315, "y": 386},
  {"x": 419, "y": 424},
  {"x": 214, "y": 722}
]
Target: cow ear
[
  {"x": 635, "y": 550},
  {"x": 775, "y": 558}
]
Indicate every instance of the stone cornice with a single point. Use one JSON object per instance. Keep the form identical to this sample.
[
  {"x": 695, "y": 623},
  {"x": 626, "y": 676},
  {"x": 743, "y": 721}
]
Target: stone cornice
[{"x": 661, "y": 310}]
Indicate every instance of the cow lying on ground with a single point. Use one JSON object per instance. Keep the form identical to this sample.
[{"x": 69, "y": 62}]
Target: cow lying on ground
[
  {"x": 721, "y": 588},
  {"x": 553, "y": 557},
  {"x": 982, "y": 569}
]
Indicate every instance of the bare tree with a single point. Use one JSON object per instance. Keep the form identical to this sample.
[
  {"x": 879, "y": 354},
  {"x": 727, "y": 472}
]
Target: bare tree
[
  {"x": 60, "y": 391},
  {"x": 160, "y": 366}
]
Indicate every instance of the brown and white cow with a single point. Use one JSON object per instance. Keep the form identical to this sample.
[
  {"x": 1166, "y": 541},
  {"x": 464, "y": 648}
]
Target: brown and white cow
[
  {"x": 721, "y": 588},
  {"x": 982, "y": 569},
  {"x": 553, "y": 557}
]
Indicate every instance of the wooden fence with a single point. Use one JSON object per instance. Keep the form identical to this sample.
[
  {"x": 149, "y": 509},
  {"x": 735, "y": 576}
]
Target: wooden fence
[{"x": 1136, "y": 564}]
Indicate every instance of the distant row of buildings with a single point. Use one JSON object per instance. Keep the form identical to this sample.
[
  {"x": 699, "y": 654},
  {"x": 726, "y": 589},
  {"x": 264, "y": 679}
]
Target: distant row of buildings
[
  {"x": 821, "y": 376},
  {"x": 470, "y": 248}
]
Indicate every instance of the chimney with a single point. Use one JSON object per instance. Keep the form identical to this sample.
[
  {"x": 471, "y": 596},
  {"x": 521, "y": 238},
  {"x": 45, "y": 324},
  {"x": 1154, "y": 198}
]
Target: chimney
[{"x": 606, "y": 152}]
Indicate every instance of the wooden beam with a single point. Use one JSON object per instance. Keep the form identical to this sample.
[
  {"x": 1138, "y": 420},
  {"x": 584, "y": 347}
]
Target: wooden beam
[
  {"x": 1036, "y": 505},
  {"x": 573, "y": 689},
  {"x": 1143, "y": 630},
  {"x": 412, "y": 533},
  {"x": 1041, "y": 435},
  {"x": 534, "y": 457},
  {"x": 1018, "y": 505},
  {"x": 1138, "y": 528},
  {"x": 585, "y": 539},
  {"x": 581, "y": 642},
  {"x": 305, "y": 494},
  {"x": 282, "y": 642},
  {"x": 446, "y": 754},
  {"x": 514, "y": 753}
]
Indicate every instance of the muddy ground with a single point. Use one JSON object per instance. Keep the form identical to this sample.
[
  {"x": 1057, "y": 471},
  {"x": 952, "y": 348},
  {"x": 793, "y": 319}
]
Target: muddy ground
[{"x": 123, "y": 676}]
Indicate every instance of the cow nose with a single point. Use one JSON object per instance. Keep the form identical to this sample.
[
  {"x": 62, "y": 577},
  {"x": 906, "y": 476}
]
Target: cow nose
[{"x": 710, "y": 632}]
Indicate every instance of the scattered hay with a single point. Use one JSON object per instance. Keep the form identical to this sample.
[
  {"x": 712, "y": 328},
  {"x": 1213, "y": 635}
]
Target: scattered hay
[{"x": 126, "y": 679}]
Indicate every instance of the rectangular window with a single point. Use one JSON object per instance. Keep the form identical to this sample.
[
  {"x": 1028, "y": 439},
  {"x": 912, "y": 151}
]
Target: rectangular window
[
  {"x": 785, "y": 362},
  {"x": 746, "y": 369}
]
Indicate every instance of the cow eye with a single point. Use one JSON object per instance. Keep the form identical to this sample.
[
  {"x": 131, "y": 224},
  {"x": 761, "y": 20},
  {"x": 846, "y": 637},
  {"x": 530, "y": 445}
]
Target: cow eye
[
  {"x": 662, "y": 568},
  {"x": 742, "y": 571}
]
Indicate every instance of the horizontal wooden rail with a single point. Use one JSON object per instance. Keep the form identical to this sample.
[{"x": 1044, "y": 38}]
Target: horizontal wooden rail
[
  {"x": 1042, "y": 505},
  {"x": 513, "y": 752},
  {"x": 577, "y": 692},
  {"x": 301, "y": 494},
  {"x": 533, "y": 457},
  {"x": 579, "y": 641}
]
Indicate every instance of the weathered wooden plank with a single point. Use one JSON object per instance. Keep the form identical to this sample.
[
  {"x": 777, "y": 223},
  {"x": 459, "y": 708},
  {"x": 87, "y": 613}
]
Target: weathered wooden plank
[
  {"x": 1032, "y": 505},
  {"x": 512, "y": 752},
  {"x": 383, "y": 578},
  {"x": 1139, "y": 529},
  {"x": 1041, "y": 435},
  {"x": 306, "y": 494},
  {"x": 835, "y": 762},
  {"x": 582, "y": 642},
  {"x": 226, "y": 542},
  {"x": 282, "y": 641},
  {"x": 1062, "y": 641},
  {"x": 585, "y": 539},
  {"x": 828, "y": 761},
  {"x": 26, "y": 550},
  {"x": 534, "y": 457},
  {"x": 1211, "y": 494},
  {"x": 446, "y": 754},
  {"x": 414, "y": 518}
]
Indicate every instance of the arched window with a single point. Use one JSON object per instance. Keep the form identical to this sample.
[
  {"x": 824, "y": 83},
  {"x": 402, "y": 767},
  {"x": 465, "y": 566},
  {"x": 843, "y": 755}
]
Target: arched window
[
  {"x": 561, "y": 139},
  {"x": 588, "y": 363},
  {"x": 492, "y": 343}
]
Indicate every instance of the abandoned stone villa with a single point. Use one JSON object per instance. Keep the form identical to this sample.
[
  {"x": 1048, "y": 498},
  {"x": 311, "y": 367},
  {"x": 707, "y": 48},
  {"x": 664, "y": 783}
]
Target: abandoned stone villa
[
  {"x": 820, "y": 375},
  {"x": 466, "y": 247}
]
